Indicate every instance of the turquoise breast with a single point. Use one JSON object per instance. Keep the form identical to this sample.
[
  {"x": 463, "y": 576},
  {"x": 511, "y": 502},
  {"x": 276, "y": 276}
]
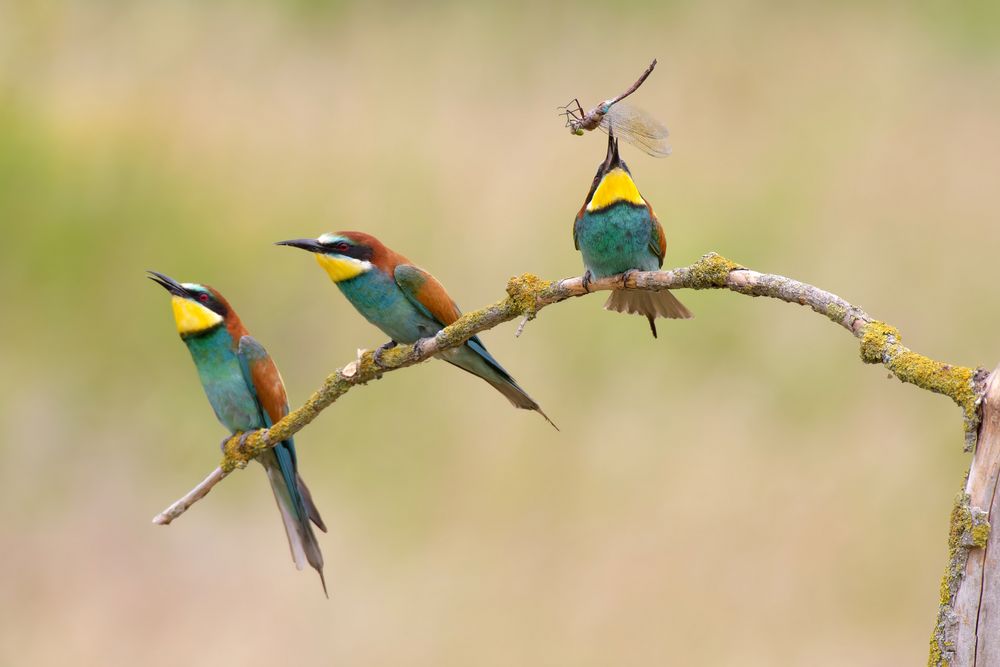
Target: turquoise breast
[
  {"x": 380, "y": 301},
  {"x": 616, "y": 239},
  {"x": 222, "y": 378}
]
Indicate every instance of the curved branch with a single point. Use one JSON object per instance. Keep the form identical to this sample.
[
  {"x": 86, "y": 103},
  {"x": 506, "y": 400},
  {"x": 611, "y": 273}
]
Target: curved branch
[{"x": 527, "y": 294}]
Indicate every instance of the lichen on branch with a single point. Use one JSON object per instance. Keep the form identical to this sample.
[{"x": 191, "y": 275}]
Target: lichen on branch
[
  {"x": 882, "y": 344},
  {"x": 969, "y": 528}
]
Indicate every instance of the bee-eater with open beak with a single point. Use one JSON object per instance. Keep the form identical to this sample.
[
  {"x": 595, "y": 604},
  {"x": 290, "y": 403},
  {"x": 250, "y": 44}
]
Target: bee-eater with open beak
[
  {"x": 405, "y": 302},
  {"x": 617, "y": 231},
  {"x": 245, "y": 390}
]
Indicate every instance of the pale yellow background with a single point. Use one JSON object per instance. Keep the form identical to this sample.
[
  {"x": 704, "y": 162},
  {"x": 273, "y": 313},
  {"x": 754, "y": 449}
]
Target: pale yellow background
[{"x": 742, "y": 491}]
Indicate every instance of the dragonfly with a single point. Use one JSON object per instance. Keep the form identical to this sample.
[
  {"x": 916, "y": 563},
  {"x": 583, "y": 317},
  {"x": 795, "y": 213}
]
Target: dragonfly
[{"x": 624, "y": 120}]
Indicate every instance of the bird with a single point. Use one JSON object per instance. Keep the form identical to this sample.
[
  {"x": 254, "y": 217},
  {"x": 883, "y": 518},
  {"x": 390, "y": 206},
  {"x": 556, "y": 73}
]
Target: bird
[
  {"x": 617, "y": 232},
  {"x": 406, "y": 302},
  {"x": 246, "y": 392}
]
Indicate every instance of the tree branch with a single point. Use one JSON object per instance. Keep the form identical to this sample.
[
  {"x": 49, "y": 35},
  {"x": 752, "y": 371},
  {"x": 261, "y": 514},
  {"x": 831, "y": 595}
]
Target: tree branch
[
  {"x": 190, "y": 498},
  {"x": 527, "y": 294}
]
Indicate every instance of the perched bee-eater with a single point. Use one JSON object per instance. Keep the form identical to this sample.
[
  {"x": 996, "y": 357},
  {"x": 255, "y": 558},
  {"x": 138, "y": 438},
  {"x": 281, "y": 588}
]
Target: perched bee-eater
[
  {"x": 405, "y": 302},
  {"x": 617, "y": 231},
  {"x": 245, "y": 390}
]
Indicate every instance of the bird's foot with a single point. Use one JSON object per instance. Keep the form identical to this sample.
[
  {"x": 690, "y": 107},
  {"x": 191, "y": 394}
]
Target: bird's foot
[
  {"x": 588, "y": 278},
  {"x": 628, "y": 274},
  {"x": 420, "y": 345},
  {"x": 241, "y": 443},
  {"x": 377, "y": 355}
]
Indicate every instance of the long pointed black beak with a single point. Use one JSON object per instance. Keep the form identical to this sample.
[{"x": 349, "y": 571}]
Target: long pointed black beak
[
  {"x": 613, "y": 159},
  {"x": 168, "y": 284},
  {"x": 305, "y": 244}
]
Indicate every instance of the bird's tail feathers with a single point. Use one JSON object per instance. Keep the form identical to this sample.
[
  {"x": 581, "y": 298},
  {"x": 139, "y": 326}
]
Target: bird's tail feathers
[
  {"x": 307, "y": 500},
  {"x": 519, "y": 398},
  {"x": 649, "y": 304},
  {"x": 474, "y": 358},
  {"x": 301, "y": 539}
]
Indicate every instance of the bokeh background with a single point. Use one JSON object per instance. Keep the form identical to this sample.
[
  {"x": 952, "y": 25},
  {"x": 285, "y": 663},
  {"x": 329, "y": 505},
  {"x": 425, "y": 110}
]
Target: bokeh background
[{"x": 742, "y": 491}]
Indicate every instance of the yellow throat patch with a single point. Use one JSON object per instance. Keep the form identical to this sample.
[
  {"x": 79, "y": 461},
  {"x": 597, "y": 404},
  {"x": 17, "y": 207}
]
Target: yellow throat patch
[
  {"x": 616, "y": 186},
  {"x": 192, "y": 317},
  {"x": 342, "y": 268}
]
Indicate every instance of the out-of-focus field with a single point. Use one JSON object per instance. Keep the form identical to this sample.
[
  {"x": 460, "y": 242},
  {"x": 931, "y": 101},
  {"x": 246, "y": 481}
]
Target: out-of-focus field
[{"x": 742, "y": 491}]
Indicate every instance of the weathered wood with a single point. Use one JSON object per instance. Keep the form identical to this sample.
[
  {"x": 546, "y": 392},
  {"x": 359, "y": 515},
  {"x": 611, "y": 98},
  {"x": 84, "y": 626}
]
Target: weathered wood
[
  {"x": 968, "y": 633},
  {"x": 982, "y": 491}
]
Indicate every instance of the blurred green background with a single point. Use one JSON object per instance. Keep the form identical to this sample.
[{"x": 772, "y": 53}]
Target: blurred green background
[{"x": 742, "y": 491}]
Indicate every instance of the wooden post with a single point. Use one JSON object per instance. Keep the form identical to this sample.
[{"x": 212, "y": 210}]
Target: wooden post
[{"x": 975, "y": 624}]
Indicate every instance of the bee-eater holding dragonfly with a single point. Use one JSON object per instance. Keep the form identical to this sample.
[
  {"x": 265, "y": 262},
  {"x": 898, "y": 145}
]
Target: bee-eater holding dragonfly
[
  {"x": 245, "y": 390},
  {"x": 405, "y": 302},
  {"x": 616, "y": 231}
]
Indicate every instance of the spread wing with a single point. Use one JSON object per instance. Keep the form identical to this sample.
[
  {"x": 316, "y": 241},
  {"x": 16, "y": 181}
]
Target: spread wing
[
  {"x": 638, "y": 128},
  {"x": 426, "y": 293}
]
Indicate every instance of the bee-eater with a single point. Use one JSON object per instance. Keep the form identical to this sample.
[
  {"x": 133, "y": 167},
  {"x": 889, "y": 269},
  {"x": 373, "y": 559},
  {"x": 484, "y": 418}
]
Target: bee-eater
[
  {"x": 245, "y": 390},
  {"x": 617, "y": 231},
  {"x": 405, "y": 302}
]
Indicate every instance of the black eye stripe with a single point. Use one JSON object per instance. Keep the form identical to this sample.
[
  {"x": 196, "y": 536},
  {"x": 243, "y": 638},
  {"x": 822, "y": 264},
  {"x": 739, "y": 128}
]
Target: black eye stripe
[
  {"x": 348, "y": 249},
  {"x": 336, "y": 246},
  {"x": 208, "y": 300}
]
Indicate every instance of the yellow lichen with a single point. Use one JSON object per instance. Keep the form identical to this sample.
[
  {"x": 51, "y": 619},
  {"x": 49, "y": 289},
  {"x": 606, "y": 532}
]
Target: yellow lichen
[
  {"x": 876, "y": 340},
  {"x": 968, "y": 529},
  {"x": 953, "y": 381},
  {"x": 937, "y": 658},
  {"x": 366, "y": 366},
  {"x": 234, "y": 456},
  {"x": 980, "y": 535},
  {"x": 711, "y": 270},
  {"x": 836, "y": 312},
  {"x": 523, "y": 290},
  {"x": 882, "y": 344},
  {"x": 960, "y": 524}
]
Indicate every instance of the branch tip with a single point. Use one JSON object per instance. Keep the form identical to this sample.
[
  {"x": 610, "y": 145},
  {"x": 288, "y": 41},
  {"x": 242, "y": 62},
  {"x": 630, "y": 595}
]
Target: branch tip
[{"x": 524, "y": 321}]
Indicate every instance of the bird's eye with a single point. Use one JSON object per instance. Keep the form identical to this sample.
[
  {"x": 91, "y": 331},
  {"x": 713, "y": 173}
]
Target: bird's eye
[
  {"x": 203, "y": 297},
  {"x": 340, "y": 246}
]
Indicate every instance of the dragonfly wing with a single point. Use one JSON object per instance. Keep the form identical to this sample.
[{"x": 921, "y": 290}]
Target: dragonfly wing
[{"x": 637, "y": 128}]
